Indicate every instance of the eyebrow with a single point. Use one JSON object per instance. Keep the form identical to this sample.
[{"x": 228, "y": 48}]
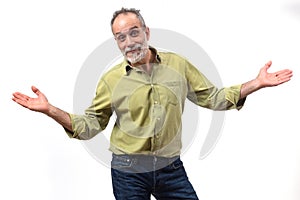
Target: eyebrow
[{"x": 127, "y": 30}]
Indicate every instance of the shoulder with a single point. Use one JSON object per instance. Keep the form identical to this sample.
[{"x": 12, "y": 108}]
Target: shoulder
[
  {"x": 171, "y": 55},
  {"x": 115, "y": 71},
  {"x": 174, "y": 60},
  {"x": 111, "y": 76}
]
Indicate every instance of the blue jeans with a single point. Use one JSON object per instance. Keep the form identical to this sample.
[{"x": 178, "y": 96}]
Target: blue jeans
[{"x": 137, "y": 177}]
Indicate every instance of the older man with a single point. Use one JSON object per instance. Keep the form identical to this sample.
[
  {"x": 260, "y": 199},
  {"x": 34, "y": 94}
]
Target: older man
[{"x": 147, "y": 91}]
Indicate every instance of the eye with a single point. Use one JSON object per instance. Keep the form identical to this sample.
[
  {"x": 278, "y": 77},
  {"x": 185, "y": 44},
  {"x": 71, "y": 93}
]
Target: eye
[
  {"x": 121, "y": 37},
  {"x": 134, "y": 33}
]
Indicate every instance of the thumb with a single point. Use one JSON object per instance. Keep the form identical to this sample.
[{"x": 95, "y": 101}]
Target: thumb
[
  {"x": 35, "y": 90},
  {"x": 268, "y": 65}
]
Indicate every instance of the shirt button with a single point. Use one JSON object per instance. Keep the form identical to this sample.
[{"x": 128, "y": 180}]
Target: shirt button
[
  {"x": 155, "y": 102},
  {"x": 158, "y": 119}
]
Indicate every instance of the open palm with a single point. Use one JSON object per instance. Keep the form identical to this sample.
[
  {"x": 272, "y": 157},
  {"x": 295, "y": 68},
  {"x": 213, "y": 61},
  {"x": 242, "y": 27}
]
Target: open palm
[
  {"x": 39, "y": 104},
  {"x": 273, "y": 79}
]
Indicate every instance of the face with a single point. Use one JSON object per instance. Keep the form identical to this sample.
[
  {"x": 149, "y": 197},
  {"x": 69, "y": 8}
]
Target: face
[{"x": 131, "y": 37}]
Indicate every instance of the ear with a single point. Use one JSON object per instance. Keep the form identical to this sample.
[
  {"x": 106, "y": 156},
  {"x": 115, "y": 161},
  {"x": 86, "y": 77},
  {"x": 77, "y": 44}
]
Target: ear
[{"x": 147, "y": 31}]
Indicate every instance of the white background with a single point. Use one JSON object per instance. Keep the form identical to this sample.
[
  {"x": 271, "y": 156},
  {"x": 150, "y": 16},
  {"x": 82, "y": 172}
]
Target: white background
[{"x": 44, "y": 43}]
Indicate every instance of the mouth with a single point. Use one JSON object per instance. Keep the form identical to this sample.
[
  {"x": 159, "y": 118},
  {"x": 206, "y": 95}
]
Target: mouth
[{"x": 130, "y": 52}]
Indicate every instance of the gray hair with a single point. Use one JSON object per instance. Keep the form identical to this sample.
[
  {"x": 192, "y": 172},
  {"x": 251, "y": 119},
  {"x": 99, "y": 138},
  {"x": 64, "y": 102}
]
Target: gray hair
[{"x": 125, "y": 11}]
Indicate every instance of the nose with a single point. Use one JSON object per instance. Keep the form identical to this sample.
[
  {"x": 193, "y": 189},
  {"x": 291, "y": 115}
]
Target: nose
[{"x": 129, "y": 42}]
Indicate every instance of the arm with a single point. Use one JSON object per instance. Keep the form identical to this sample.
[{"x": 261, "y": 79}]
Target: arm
[
  {"x": 41, "y": 104},
  {"x": 265, "y": 79}
]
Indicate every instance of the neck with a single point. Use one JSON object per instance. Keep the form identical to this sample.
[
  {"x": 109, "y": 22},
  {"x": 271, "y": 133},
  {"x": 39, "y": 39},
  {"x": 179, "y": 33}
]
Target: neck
[{"x": 146, "y": 62}]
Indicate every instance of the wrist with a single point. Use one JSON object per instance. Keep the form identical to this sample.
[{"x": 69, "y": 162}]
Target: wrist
[
  {"x": 49, "y": 110},
  {"x": 256, "y": 84},
  {"x": 250, "y": 87}
]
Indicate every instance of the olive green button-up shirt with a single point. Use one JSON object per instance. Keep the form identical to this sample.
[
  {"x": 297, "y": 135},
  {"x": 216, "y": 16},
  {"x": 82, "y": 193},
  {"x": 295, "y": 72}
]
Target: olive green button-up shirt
[{"x": 149, "y": 107}]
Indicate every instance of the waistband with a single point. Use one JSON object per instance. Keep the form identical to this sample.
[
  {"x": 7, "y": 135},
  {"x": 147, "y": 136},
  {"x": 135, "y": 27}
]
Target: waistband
[{"x": 140, "y": 163}]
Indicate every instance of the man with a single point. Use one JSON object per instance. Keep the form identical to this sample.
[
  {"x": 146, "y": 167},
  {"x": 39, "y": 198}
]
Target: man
[{"x": 147, "y": 92}]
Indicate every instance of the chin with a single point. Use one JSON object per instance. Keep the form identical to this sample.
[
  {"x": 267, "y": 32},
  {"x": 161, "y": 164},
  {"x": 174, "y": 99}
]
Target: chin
[{"x": 134, "y": 60}]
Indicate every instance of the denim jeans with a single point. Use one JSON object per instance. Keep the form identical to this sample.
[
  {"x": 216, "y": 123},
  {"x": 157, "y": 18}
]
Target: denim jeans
[{"x": 137, "y": 177}]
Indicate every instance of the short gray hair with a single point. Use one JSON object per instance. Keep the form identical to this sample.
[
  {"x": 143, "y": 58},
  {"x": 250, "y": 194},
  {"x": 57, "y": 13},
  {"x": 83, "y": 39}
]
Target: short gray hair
[{"x": 125, "y": 11}]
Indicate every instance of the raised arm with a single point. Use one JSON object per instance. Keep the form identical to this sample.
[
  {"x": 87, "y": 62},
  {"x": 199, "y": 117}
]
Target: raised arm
[
  {"x": 41, "y": 104},
  {"x": 265, "y": 79}
]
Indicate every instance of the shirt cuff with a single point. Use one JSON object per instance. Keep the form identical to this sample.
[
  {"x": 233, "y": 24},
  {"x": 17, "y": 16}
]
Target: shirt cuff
[{"x": 234, "y": 94}]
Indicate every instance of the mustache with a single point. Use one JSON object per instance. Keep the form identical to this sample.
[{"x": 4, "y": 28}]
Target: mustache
[{"x": 132, "y": 48}]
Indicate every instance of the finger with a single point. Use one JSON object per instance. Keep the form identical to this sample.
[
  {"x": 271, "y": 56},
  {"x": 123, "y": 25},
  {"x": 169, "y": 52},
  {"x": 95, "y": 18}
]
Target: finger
[
  {"x": 20, "y": 102},
  {"x": 21, "y": 96},
  {"x": 284, "y": 73},
  {"x": 35, "y": 90},
  {"x": 268, "y": 65},
  {"x": 284, "y": 78}
]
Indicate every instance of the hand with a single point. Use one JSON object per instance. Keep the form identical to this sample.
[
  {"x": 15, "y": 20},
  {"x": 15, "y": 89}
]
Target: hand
[
  {"x": 265, "y": 79},
  {"x": 39, "y": 104},
  {"x": 273, "y": 79}
]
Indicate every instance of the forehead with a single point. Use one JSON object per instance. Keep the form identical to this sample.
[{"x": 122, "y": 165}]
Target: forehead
[{"x": 125, "y": 21}]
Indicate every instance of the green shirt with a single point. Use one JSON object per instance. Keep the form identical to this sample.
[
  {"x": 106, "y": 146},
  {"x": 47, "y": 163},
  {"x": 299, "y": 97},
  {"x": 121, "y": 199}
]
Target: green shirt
[{"x": 149, "y": 107}]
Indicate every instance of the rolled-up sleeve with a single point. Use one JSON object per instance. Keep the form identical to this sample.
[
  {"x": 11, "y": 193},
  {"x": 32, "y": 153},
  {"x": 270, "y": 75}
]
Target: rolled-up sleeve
[
  {"x": 96, "y": 117},
  {"x": 233, "y": 94}
]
